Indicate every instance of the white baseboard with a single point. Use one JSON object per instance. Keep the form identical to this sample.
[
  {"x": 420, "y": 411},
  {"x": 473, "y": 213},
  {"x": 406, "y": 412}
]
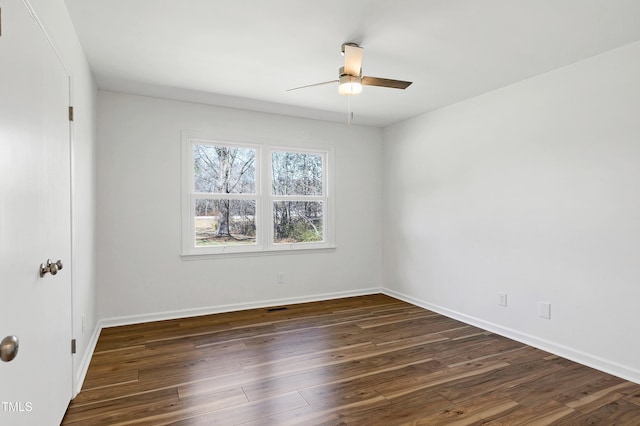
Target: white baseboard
[
  {"x": 86, "y": 360},
  {"x": 184, "y": 313},
  {"x": 589, "y": 360}
]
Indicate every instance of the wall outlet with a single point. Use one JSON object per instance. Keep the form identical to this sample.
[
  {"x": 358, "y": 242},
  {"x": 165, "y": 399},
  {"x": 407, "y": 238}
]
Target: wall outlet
[
  {"x": 544, "y": 310},
  {"x": 280, "y": 277},
  {"x": 502, "y": 299}
]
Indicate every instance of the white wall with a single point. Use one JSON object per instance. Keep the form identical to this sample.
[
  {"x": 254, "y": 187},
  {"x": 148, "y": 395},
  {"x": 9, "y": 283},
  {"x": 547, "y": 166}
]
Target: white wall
[
  {"x": 142, "y": 275},
  {"x": 54, "y": 17},
  {"x": 532, "y": 190}
]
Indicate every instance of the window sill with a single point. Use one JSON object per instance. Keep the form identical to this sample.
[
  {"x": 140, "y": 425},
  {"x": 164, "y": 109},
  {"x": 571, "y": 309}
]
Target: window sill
[{"x": 258, "y": 253}]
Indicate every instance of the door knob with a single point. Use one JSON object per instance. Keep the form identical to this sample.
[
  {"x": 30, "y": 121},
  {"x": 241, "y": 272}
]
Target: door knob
[
  {"x": 52, "y": 268},
  {"x": 9, "y": 348}
]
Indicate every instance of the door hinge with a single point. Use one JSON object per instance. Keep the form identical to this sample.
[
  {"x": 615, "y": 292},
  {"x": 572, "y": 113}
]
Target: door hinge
[
  {"x": 73, "y": 346},
  {"x": 70, "y": 113}
]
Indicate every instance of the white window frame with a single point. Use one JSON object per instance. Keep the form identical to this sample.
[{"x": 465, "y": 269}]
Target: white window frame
[
  {"x": 324, "y": 198},
  {"x": 264, "y": 199}
]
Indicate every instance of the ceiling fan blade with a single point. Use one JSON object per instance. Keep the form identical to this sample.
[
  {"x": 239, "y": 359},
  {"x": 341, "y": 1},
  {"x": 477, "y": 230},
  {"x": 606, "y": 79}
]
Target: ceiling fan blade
[
  {"x": 312, "y": 85},
  {"x": 352, "y": 60},
  {"x": 385, "y": 82}
]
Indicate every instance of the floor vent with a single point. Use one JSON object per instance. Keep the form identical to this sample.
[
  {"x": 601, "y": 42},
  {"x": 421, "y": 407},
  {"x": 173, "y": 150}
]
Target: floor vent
[{"x": 282, "y": 308}]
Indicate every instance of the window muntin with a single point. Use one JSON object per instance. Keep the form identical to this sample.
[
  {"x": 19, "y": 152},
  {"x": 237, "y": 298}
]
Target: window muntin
[{"x": 242, "y": 197}]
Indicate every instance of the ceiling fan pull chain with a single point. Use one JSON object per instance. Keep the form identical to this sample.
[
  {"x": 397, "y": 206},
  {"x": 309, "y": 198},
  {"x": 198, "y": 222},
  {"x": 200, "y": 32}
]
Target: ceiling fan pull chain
[{"x": 349, "y": 112}]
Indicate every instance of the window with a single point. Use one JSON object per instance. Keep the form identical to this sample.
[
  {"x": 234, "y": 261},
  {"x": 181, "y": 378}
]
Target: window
[
  {"x": 224, "y": 197},
  {"x": 297, "y": 193},
  {"x": 241, "y": 197}
]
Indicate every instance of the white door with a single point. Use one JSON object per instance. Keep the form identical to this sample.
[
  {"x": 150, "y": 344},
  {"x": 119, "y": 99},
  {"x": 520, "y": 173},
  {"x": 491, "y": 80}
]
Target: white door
[{"x": 35, "y": 387}]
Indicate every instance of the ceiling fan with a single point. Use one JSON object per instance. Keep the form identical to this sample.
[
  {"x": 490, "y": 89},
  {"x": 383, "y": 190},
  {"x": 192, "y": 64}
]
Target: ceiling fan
[{"x": 350, "y": 76}]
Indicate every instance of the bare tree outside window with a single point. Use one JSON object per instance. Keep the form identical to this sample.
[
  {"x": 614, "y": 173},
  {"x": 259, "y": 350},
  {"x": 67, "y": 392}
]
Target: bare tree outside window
[
  {"x": 298, "y": 178},
  {"x": 220, "y": 170}
]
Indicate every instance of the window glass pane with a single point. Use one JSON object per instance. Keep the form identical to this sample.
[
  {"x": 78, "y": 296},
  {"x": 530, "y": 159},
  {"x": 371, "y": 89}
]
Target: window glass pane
[
  {"x": 224, "y": 169},
  {"x": 297, "y": 221},
  {"x": 225, "y": 222},
  {"x": 296, "y": 173}
]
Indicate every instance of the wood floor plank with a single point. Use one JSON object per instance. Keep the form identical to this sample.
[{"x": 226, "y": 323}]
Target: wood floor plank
[
  {"x": 620, "y": 412},
  {"x": 634, "y": 397},
  {"x": 181, "y": 371},
  {"x": 414, "y": 405},
  {"x": 327, "y": 415},
  {"x": 250, "y": 412},
  {"x": 366, "y": 360},
  {"x": 370, "y": 377},
  {"x": 398, "y": 388},
  {"x": 96, "y": 379},
  {"x": 475, "y": 410},
  {"x": 190, "y": 408},
  {"x": 364, "y": 384},
  {"x": 551, "y": 386},
  {"x": 592, "y": 401},
  {"x": 134, "y": 407},
  {"x": 495, "y": 380},
  {"x": 543, "y": 412}
]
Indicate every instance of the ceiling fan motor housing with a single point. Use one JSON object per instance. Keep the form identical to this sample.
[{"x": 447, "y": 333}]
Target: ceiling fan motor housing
[{"x": 350, "y": 85}]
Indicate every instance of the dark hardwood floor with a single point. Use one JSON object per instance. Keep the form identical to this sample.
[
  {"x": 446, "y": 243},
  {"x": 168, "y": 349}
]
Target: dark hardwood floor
[{"x": 370, "y": 360}]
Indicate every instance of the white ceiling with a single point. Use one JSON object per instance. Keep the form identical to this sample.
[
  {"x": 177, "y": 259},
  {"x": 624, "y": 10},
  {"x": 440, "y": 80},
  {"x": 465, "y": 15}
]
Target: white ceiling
[{"x": 246, "y": 53}]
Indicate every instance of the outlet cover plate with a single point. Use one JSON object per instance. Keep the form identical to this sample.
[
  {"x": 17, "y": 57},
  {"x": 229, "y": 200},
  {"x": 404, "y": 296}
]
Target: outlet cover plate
[
  {"x": 502, "y": 299},
  {"x": 545, "y": 310}
]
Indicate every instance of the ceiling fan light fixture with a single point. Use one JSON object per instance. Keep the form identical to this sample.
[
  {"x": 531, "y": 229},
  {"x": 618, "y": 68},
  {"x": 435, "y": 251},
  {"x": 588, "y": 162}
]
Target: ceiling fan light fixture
[{"x": 350, "y": 85}]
